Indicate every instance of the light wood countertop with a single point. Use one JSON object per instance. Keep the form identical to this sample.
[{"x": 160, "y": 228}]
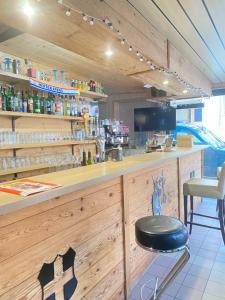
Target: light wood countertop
[{"x": 80, "y": 178}]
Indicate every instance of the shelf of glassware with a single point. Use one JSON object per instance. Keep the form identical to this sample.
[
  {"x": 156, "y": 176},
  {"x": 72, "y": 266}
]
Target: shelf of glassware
[
  {"x": 43, "y": 116},
  {"x": 42, "y": 145},
  {"x": 16, "y": 78},
  {"x": 21, "y": 170}
]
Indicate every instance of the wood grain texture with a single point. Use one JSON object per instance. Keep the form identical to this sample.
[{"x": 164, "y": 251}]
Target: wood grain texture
[{"x": 98, "y": 223}]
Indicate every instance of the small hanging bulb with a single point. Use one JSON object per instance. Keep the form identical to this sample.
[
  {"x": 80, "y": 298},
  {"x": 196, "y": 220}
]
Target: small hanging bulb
[
  {"x": 152, "y": 67},
  {"x": 60, "y": 1},
  {"x": 141, "y": 58},
  {"x": 91, "y": 22},
  {"x": 138, "y": 53},
  {"x": 148, "y": 62},
  {"x": 119, "y": 33},
  {"x": 130, "y": 48},
  {"x": 110, "y": 26},
  {"x": 85, "y": 18},
  {"x": 122, "y": 41},
  {"x": 68, "y": 12}
]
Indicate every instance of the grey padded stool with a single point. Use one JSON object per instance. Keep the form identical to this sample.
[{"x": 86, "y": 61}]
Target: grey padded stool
[
  {"x": 163, "y": 234},
  {"x": 205, "y": 188}
]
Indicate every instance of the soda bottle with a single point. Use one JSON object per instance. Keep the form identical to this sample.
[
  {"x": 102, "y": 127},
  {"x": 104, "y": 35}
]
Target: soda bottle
[{"x": 20, "y": 102}]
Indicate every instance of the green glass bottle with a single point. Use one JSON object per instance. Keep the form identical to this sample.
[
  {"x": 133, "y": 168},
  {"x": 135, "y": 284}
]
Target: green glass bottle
[{"x": 37, "y": 103}]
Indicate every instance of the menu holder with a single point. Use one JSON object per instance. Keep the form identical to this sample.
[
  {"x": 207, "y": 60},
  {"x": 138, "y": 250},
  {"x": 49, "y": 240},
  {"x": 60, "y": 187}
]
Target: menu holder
[{"x": 26, "y": 187}]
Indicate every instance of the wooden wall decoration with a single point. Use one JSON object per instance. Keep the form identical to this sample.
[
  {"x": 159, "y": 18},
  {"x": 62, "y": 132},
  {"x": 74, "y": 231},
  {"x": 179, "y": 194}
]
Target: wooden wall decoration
[{"x": 57, "y": 279}]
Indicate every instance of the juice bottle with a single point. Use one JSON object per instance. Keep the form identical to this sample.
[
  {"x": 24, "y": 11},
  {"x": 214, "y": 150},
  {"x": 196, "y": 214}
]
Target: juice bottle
[{"x": 30, "y": 104}]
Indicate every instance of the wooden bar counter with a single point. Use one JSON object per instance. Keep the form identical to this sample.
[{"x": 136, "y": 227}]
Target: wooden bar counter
[{"x": 94, "y": 214}]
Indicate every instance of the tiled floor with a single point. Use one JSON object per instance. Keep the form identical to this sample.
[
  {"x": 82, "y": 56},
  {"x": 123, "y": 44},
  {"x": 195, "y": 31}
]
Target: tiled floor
[{"x": 203, "y": 277}]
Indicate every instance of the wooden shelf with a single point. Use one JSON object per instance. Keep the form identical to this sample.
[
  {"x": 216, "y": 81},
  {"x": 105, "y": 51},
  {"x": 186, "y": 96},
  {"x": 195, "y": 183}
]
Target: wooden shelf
[
  {"x": 93, "y": 95},
  {"x": 43, "y": 116},
  {"x": 21, "y": 170},
  {"x": 16, "y": 78},
  {"x": 42, "y": 145},
  {"x": 12, "y": 78}
]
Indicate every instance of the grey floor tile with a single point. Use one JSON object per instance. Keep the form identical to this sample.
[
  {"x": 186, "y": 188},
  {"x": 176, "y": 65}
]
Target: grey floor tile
[
  {"x": 215, "y": 288},
  {"x": 207, "y": 254},
  {"x": 211, "y": 297},
  {"x": 172, "y": 289},
  {"x": 217, "y": 276},
  {"x": 186, "y": 293},
  {"x": 165, "y": 261},
  {"x": 157, "y": 270},
  {"x": 199, "y": 271},
  {"x": 219, "y": 266},
  {"x": 166, "y": 297},
  {"x": 195, "y": 282},
  {"x": 203, "y": 262},
  {"x": 180, "y": 277}
]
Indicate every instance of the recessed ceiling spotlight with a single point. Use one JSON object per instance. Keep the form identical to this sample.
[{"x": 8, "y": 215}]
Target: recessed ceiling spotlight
[
  {"x": 109, "y": 52},
  {"x": 28, "y": 10},
  {"x": 185, "y": 91},
  {"x": 165, "y": 82}
]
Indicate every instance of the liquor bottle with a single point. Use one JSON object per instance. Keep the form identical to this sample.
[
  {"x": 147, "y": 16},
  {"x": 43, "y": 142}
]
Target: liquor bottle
[
  {"x": 58, "y": 106},
  {"x": 42, "y": 103},
  {"x": 66, "y": 107},
  {"x": 3, "y": 99},
  {"x": 24, "y": 102},
  {"x": 89, "y": 161},
  {"x": 10, "y": 100},
  {"x": 20, "y": 102},
  {"x": 84, "y": 161},
  {"x": 49, "y": 105},
  {"x": 36, "y": 103},
  {"x": 30, "y": 104}
]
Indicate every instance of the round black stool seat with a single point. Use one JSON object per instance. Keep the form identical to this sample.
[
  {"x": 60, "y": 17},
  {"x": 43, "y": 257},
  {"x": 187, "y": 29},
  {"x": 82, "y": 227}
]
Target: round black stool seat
[{"x": 161, "y": 233}]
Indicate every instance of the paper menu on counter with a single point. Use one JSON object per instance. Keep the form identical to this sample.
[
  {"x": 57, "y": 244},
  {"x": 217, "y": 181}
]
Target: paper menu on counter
[{"x": 26, "y": 187}]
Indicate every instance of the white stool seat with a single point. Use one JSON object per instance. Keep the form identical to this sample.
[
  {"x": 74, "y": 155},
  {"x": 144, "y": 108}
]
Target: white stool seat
[{"x": 201, "y": 187}]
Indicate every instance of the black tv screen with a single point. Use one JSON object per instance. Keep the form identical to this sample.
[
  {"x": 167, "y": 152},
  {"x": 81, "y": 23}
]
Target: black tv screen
[{"x": 154, "y": 118}]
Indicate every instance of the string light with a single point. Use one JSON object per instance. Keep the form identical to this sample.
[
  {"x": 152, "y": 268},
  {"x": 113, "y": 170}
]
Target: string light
[
  {"x": 123, "y": 41},
  {"x": 85, "y": 17},
  {"x": 68, "y": 12}
]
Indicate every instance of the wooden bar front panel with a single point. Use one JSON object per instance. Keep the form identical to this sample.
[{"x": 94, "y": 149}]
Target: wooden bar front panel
[{"x": 89, "y": 221}]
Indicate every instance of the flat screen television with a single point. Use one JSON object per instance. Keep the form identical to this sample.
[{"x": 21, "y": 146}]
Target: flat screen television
[{"x": 154, "y": 119}]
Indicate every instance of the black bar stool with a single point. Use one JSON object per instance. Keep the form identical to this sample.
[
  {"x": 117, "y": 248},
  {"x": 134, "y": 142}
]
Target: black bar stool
[
  {"x": 205, "y": 188},
  {"x": 163, "y": 234}
]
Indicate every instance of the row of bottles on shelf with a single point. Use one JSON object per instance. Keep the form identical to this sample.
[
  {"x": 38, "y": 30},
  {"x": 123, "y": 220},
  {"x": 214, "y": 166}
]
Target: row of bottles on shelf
[
  {"x": 26, "y": 67},
  {"x": 42, "y": 103}
]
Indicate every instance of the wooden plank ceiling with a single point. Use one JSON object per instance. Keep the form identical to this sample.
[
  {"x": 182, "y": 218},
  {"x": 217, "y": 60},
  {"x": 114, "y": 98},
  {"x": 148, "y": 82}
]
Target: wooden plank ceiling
[
  {"x": 194, "y": 27},
  {"x": 186, "y": 36}
]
